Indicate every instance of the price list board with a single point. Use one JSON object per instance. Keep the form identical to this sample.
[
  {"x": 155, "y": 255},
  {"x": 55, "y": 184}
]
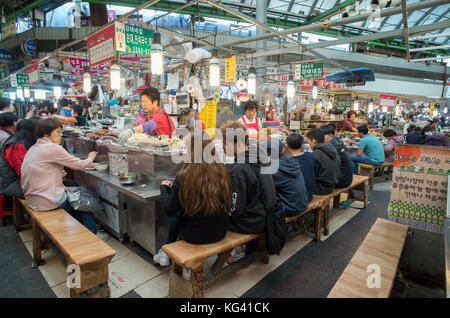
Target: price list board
[
  {"x": 419, "y": 187},
  {"x": 209, "y": 116}
]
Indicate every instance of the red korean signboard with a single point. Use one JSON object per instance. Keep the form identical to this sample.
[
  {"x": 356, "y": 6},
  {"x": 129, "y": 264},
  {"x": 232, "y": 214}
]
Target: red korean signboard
[
  {"x": 101, "y": 47},
  {"x": 33, "y": 73},
  {"x": 387, "y": 100}
]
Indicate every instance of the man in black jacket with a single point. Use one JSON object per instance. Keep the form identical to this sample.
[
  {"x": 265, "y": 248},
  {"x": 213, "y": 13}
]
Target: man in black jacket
[
  {"x": 327, "y": 161},
  {"x": 346, "y": 174}
]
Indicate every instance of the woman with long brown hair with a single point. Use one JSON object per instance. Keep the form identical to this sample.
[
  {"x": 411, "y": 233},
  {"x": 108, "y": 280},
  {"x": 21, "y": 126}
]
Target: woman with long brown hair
[{"x": 199, "y": 198}]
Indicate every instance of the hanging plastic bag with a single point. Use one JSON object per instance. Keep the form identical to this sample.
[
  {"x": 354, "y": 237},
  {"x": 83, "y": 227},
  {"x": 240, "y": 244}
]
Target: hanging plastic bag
[{"x": 83, "y": 200}]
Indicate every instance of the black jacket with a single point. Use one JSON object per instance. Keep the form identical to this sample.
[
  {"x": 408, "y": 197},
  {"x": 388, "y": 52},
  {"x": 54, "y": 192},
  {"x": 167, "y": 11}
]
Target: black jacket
[
  {"x": 9, "y": 180},
  {"x": 247, "y": 214},
  {"x": 415, "y": 139},
  {"x": 346, "y": 172},
  {"x": 198, "y": 229},
  {"x": 328, "y": 165},
  {"x": 290, "y": 186}
]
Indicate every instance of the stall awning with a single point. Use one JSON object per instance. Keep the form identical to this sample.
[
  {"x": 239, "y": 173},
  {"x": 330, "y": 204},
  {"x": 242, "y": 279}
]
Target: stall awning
[{"x": 343, "y": 77}]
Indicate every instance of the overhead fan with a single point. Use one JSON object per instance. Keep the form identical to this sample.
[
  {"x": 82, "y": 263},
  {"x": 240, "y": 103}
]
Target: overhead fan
[
  {"x": 267, "y": 94},
  {"x": 174, "y": 51}
]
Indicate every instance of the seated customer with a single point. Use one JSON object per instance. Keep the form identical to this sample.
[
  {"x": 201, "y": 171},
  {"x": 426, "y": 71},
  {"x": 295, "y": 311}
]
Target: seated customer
[
  {"x": 43, "y": 172},
  {"x": 294, "y": 143},
  {"x": 77, "y": 119},
  {"x": 327, "y": 161},
  {"x": 289, "y": 181},
  {"x": 8, "y": 123},
  {"x": 198, "y": 200},
  {"x": 389, "y": 149},
  {"x": 437, "y": 140},
  {"x": 371, "y": 146},
  {"x": 13, "y": 153},
  {"x": 415, "y": 136},
  {"x": 346, "y": 174},
  {"x": 247, "y": 214}
]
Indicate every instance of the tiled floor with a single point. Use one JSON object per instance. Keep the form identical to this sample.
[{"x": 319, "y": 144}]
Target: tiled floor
[{"x": 130, "y": 272}]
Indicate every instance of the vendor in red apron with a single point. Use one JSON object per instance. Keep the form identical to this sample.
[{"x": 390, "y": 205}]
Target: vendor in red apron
[
  {"x": 250, "y": 120},
  {"x": 158, "y": 123}
]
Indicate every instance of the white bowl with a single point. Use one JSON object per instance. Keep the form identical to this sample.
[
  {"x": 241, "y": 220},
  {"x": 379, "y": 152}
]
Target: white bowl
[{"x": 101, "y": 167}]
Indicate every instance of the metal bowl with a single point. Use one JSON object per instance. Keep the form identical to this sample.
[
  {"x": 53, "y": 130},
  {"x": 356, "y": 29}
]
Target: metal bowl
[{"x": 129, "y": 178}]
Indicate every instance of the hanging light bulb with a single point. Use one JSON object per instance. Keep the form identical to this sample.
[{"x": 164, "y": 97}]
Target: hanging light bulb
[
  {"x": 315, "y": 92},
  {"x": 19, "y": 93},
  {"x": 86, "y": 80},
  {"x": 251, "y": 82},
  {"x": 157, "y": 54},
  {"x": 330, "y": 105},
  {"x": 356, "y": 106},
  {"x": 115, "y": 77},
  {"x": 290, "y": 91},
  {"x": 370, "y": 110},
  {"x": 445, "y": 110},
  {"x": 384, "y": 109},
  {"x": 26, "y": 92},
  {"x": 214, "y": 70},
  {"x": 12, "y": 95},
  {"x": 57, "y": 92}
]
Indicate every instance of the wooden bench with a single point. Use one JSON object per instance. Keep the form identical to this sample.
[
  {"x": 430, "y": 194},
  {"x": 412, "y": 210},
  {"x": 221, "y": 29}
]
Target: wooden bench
[
  {"x": 369, "y": 171},
  {"x": 383, "y": 247},
  {"x": 192, "y": 256},
  {"x": 359, "y": 183},
  {"x": 318, "y": 206},
  {"x": 77, "y": 245}
]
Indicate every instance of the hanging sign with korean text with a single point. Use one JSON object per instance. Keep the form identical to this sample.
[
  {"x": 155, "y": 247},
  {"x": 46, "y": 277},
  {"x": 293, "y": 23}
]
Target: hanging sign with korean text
[
  {"x": 419, "y": 187},
  {"x": 101, "y": 47},
  {"x": 230, "y": 69},
  {"x": 387, "y": 100},
  {"x": 209, "y": 116},
  {"x": 138, "y": 40},
  {"x": 33, "y": 73},
  {"x": 3, "y": 73},
  {"x": 343, "y": 100},
  {"x": 311, "y": 70},
  {"x": 23, "y": 80},
  {"x": 9, "y": 29}
]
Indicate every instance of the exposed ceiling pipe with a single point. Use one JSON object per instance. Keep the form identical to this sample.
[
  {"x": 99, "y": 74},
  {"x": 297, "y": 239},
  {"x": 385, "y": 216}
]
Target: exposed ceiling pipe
[
  {"x": 384, "y": 3},
  {"x": 430, "y": 48},
  {"x": 334, "y": 23},
  {"x": 431, "y": 58},
  {"x": 418, "y": 38}
]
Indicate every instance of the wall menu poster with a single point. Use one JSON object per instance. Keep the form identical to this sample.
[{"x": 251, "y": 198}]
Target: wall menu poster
[
  {"x": 33, "y": 73},
  {"x": 387, "y": 100},
  {"x": 101, "y": 47},
  {"x": 419, "y": 187},
  {"x": 230, "y": 69},
  {"x": 209, "y": 116},
  {"x": 343, "y": 100}
]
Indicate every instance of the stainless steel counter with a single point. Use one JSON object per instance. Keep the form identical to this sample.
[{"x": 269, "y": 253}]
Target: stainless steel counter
[{"x": 138, "y": 191}]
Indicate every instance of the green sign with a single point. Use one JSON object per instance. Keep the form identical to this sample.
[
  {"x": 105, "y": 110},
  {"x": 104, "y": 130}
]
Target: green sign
[
  {"x": 138, "y": 40},
  {"x": 2, "y": 72},
  {"x": 23, "y": 80},
  {"x": 343, "y": 100},
  {"x": 312, "y": 70}
]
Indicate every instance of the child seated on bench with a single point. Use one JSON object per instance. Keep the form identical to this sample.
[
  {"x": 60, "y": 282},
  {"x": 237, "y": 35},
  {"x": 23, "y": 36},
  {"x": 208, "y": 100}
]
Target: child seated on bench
[
  {"x": 248, "y": 215},
  {"x": 198, "y": 199},
  {"x": 289, "y": 181}
]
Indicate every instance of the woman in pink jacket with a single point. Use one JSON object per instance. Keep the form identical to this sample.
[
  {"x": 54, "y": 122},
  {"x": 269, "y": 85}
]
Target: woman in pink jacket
[
  {"x": 43, "y": 172},
  {"x": 389, "y": 149}
]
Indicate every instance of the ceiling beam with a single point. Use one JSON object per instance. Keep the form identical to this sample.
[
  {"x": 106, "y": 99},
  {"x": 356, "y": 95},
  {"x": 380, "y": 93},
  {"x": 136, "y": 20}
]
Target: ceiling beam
[
  {"x": 424, "y": 16},
  {"x": 405, "y": 29},
  {"x": 330, "y": 11},
  {"x": 291, "y": 5},
  {"x": 313, "y": 6}
]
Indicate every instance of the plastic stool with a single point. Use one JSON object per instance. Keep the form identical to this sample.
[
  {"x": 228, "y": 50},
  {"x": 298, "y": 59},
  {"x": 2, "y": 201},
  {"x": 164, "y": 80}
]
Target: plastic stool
[{"x": 2, "y": 211}]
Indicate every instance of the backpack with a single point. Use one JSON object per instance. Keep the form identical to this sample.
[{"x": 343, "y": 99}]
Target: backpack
[{"x": 276, "y": 227}]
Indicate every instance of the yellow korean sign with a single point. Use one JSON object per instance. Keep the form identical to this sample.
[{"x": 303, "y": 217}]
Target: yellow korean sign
[
  {"x": 431, "y": 110},
  {"x": 209, "y": 117},
  {"x": 230, "y": 69}
]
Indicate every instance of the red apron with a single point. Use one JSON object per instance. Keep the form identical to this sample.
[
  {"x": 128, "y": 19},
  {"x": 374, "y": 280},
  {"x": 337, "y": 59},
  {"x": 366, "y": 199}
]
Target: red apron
[{"x": 254, "y": 126}]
